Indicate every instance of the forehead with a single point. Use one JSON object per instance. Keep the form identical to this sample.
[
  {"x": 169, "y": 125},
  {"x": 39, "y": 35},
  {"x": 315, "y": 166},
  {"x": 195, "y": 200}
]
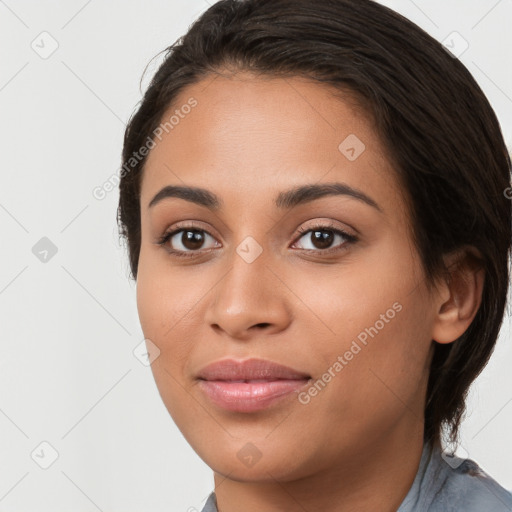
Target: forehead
[{"x": 248, "y": 135}]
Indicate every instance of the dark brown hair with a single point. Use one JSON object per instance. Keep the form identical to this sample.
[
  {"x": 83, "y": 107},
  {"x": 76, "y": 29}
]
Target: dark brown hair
[{"x": 441, "y": 133}]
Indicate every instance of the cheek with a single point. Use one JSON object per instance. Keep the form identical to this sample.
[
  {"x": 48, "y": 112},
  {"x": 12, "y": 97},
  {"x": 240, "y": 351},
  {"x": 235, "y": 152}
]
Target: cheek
[
  {"x": 164, "y": 296},
  {"x": 375, "y": 316},
  {"x": 379, "y": 295},
  {"x": 162, "y": 310},
  {"x": 163, "y": 306}
]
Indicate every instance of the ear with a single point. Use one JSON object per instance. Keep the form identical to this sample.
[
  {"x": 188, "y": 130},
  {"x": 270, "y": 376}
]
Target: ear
[{"x": 459, "y": 294}]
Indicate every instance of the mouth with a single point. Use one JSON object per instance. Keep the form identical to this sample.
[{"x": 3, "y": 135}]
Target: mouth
[{"x": 251, "y": 385}]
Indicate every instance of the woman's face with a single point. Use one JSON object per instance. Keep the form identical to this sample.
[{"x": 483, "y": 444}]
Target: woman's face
[{"x": 267, "y": 274}]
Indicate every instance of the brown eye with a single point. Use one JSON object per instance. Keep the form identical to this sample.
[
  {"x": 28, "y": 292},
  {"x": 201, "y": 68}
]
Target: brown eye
[
  {"x": 321, "y": 238},
  {"x": 186, "y": 241},
  {"x": 191, "y": 239}
]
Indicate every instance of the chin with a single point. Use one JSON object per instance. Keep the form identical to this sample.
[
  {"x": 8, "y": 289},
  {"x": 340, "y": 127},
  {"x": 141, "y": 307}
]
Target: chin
[{"x": 248, "y": 464}]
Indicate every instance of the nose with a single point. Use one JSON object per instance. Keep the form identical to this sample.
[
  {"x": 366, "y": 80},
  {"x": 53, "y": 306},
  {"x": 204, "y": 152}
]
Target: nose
[{"x": 251, "y": 298}]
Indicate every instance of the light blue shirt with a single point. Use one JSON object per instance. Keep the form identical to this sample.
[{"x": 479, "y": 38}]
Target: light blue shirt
[{"x": 444, "y": 485}]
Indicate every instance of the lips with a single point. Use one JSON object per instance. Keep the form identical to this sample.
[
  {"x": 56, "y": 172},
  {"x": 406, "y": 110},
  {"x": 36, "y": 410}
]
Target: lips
[
  {"x": 250, "y": 369},
  {"x": 250, "y": 385}
]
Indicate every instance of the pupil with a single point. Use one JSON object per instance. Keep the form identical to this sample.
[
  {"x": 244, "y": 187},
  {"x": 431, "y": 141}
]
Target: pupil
[{"x": 324, "y": 238}]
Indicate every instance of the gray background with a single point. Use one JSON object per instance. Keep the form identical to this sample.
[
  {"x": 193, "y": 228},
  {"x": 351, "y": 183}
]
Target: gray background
[{"x": 69, "y": 325}]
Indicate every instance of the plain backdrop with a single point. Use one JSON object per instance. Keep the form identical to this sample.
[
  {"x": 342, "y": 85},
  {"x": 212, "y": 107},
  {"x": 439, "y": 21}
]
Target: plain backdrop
[{"x": 73, "y": 396}]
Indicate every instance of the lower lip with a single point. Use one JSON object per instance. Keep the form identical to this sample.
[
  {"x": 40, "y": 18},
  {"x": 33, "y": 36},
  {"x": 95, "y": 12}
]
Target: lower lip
[{"x": 249, "y": 396}]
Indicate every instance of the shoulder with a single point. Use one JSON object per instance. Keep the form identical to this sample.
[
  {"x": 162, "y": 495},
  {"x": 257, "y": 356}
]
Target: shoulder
[
  {"x": 452, "y": 484},
  {"x": 473, "y": 488},
  {"x": 211, "y": 504}
]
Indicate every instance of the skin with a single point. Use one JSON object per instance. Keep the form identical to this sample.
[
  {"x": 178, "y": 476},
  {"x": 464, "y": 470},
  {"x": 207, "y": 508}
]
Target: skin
[{"x": 356, "y": 445}]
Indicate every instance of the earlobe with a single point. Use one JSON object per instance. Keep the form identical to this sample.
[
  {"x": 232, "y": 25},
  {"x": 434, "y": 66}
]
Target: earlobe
[{"x": 460, "y": 295}]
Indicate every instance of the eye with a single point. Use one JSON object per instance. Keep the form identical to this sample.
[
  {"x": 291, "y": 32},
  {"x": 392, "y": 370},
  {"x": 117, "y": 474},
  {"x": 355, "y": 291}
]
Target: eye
[
  {"x": 186, "y": 241},
  {"x": 323, "y": 236}
]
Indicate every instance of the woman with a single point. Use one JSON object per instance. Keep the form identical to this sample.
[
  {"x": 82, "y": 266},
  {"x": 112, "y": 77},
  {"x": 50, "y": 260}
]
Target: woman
[{"x": 314, "y": 196}]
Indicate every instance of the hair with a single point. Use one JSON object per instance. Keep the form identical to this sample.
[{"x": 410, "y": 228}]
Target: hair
[{"x": 442, "y": 136}]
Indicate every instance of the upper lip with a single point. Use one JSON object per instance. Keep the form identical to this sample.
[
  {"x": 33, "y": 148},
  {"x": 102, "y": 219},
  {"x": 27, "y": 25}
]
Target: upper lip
[{"x": 249, "y": 369}]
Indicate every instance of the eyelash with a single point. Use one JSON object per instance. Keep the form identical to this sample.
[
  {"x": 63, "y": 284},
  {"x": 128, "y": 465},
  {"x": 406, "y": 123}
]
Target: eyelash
[{"x": 350, "y": 239}]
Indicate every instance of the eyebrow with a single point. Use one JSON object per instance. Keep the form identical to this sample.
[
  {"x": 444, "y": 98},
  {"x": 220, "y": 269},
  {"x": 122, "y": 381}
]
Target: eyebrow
[{"x": 284, "y": 200}]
